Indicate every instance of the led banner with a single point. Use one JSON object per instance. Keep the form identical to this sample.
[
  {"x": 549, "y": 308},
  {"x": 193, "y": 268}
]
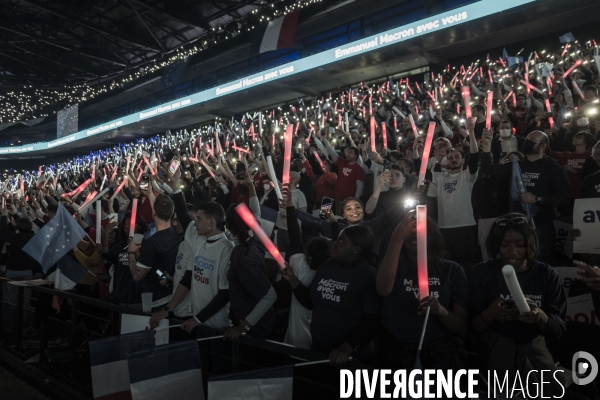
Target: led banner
[{"x": 424, "y": 26}]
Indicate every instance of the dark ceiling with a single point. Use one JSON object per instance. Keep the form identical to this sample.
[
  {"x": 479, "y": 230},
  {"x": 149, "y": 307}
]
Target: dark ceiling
[{"x": 71, "y": 41}]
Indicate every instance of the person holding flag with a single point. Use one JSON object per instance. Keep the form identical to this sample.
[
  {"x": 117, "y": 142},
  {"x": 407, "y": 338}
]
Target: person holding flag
[{"x": 403, "y": 307}]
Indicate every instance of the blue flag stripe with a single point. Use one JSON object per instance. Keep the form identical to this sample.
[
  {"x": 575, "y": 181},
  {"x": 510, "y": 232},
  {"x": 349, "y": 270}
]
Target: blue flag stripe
[
  {"x": 115, "y": 348},
  {"x": 163, "y": 360},
  {"x": 71, "y": 268}
]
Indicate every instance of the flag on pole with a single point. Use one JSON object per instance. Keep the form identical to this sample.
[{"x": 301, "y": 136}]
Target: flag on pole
[
  {"x": 277, "y": 34},
  {"x": 271, "y": 383},
  {"x": 567, "y": 38},
  {"x": 108, "y": 362},
  {"x": 516, "y": 189},
  {"x": 55, "y": 239},
  {"x": 170, "y": 371}
]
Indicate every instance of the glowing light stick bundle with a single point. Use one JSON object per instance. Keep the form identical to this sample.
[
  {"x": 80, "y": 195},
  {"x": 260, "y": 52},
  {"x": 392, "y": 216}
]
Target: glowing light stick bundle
[
  {"x": 514, "y": 288},
  {"x": 373, "y": 127},
  {"x": 466, "y": 95},
  {"x": 274, "y": 177},
  {"x": 425, "y": 155},
  {"x": 422, "y": 252},
  {"x": 488, "y": 116},
  {"x": 247, "y": 216},
  {"x": 133, "y": 217},
  {"x": 287, "y": 154}
]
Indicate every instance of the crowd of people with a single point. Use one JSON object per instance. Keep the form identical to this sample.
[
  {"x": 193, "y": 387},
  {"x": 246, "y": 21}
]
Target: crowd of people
[{"x": 345, "y": 222}]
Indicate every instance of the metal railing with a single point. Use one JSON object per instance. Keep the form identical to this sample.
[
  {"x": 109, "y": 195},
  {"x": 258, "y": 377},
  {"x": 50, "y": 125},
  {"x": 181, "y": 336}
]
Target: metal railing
[{"x": 53, "y": 347}]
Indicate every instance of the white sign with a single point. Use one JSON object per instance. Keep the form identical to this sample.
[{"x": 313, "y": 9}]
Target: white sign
[
  {"x": 581, "y": 309},
  {"x": 564, "y": 242},
  {"x": 136, "y": 323},
  {"x": 586, "y": 218}
]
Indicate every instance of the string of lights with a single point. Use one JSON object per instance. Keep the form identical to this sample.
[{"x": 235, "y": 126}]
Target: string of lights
[{"x": 30, "y": 102}]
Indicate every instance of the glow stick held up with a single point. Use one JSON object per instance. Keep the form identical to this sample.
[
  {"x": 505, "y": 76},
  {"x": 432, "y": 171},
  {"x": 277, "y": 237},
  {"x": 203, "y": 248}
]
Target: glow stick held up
[
  {"x": 488, "y": 116},
  {"x": 530, "y": 86},
  {"x": 319, "y": 160},
  {"x": 412, "y": 124},
  {"x": 98, "y": 221},
  {"x": 274, "y": 177},
  {"x": 133, "y": 217},
  {"x": 510, "y": 277},
  {"x": 247, "y": 216},
  {"x": 384, "y": 135},
  {"x": 466, "y": 95},
  {"x": 287, "y": 154},
  {"x": 568, "y": 72},
  {"x": 118, "y": 189},
  {"x": 422, "y": 252},
  {"x": 550, "y": 119},
  {"x": 373, "y": 125},
  {"x": 234, "y": 147},
  {"x": 208, "y": 169},
  {"x": 425, "y": 155}
]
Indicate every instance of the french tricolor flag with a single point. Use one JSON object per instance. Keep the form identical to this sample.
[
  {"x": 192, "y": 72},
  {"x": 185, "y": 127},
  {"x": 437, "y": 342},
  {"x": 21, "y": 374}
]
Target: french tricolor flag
[
  {"x": 270, "y": 383},
  {"x": 277, "y": 34},
  {"x": 171, "y": 371},
  {"x": 108, "y": 361}
]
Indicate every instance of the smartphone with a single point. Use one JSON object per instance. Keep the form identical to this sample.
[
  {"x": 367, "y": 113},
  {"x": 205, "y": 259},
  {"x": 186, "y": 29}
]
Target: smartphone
[
  {"x": 409, "y": 205},
  {"x": 326, "y": 204},
  {"x": 174, "y": 165},
  {"x": 161, "y": 274},
  {"x": 590, "y": 272},
  {"x": 144, "y": 183},
  {"x": 188, "y": 175},
  {"x": 507, "y": 303}
]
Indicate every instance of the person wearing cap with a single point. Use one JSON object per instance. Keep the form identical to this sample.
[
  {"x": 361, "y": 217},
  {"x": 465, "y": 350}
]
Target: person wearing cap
[{"x": 545, "y": 182}]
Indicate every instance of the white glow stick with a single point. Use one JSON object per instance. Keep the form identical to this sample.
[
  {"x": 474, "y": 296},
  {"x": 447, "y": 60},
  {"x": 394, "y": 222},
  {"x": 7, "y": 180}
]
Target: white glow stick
[
  {"x": 274, "y": 178},
  {"x": 99, "y": 221},
  {"x": 514, "y": 288}
]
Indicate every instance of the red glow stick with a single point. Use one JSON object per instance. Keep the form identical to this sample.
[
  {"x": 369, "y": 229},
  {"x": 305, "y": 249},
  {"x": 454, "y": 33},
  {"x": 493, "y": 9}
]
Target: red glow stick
[
  {"x": 508, "y": 95},
  {"x": 247, "y": 216},
  {"x": 234, "y": 147},
  {"x": 373, "y": 127},
  {"x": 577, "y": 90},
  {"x": 209, "y": 150},
  {"x": 149, "y": 166},
  {"x": 287, "y": 154},
  {"x": 466, "y": 95},
  {"x": 530, "y": 86},
  {"x": 140, "y": 175},
  {"x": 208, "y": 169},
  {"x": 422, "y": 251},
  {"x": 119, "y": 188},
  {"x": 412, "y": 124},
  {"x": 127, "y": 168},
  {"x": 527, "y": 77},
  {"x": 425, "y": 155},
  {"x": 384, "y": 134},
  {"x": 568, "y": 72},
  {"x": 488, "y": 116},
  {"x": 550, "y": 119},
  {"x": 319, "y": 160},
  {"x": 133, "y": 217}
]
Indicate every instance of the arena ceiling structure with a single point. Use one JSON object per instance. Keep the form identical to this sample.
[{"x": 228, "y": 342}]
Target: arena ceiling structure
[{"x": 69, "y": 42}]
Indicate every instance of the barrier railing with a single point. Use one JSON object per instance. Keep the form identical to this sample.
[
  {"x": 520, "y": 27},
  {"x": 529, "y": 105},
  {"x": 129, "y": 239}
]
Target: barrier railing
[{"x": 56, "y": 344}]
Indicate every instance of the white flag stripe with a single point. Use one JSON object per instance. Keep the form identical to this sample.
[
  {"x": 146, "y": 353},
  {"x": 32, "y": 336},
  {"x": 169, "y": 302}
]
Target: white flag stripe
[
  {"x": 182, "y": 385},
  {"x": 110, "y": 378},
  {"x": 251, "y": 389},
  {"x": 271, "y": 37}
]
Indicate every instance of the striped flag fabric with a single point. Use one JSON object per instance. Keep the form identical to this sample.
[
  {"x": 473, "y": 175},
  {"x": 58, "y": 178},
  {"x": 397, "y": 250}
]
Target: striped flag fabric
[
  {"x": 277, "y": 34},
  {"x": 68, "y": 273},
  {"x": 170, "y": 371},
  {"x": 108, "y": 361},
  {"x": 271, "y": 383}
]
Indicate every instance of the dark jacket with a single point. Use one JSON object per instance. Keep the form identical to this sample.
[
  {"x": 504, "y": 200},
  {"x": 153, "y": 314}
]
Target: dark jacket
[{"x": 17, "y": 259}]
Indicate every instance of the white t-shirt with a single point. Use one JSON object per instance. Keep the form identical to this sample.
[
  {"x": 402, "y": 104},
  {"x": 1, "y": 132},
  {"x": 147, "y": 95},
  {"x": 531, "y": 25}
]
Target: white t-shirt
[
  {"x": 299, "y": 201},
  {"x": 454, "y": 198},
  {"x": 298, "y": 332},
  {"x": 209, "y": 273},
  {"x": 185, "y": 258}
]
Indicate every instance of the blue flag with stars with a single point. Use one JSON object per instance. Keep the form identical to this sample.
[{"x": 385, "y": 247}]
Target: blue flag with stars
[{"x": 55, "y": 239}]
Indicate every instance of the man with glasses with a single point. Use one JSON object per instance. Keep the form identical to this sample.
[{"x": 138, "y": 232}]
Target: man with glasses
[{"x": 545, "y": 183}]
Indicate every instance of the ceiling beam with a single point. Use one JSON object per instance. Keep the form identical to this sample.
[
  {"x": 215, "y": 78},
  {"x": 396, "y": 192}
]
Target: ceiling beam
[
  {"x": 169, "y": 14},
  {"x": 146, "y": 25},
  {"x": 54, "y": 61},
  {"x": 89, "y": 26}
]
